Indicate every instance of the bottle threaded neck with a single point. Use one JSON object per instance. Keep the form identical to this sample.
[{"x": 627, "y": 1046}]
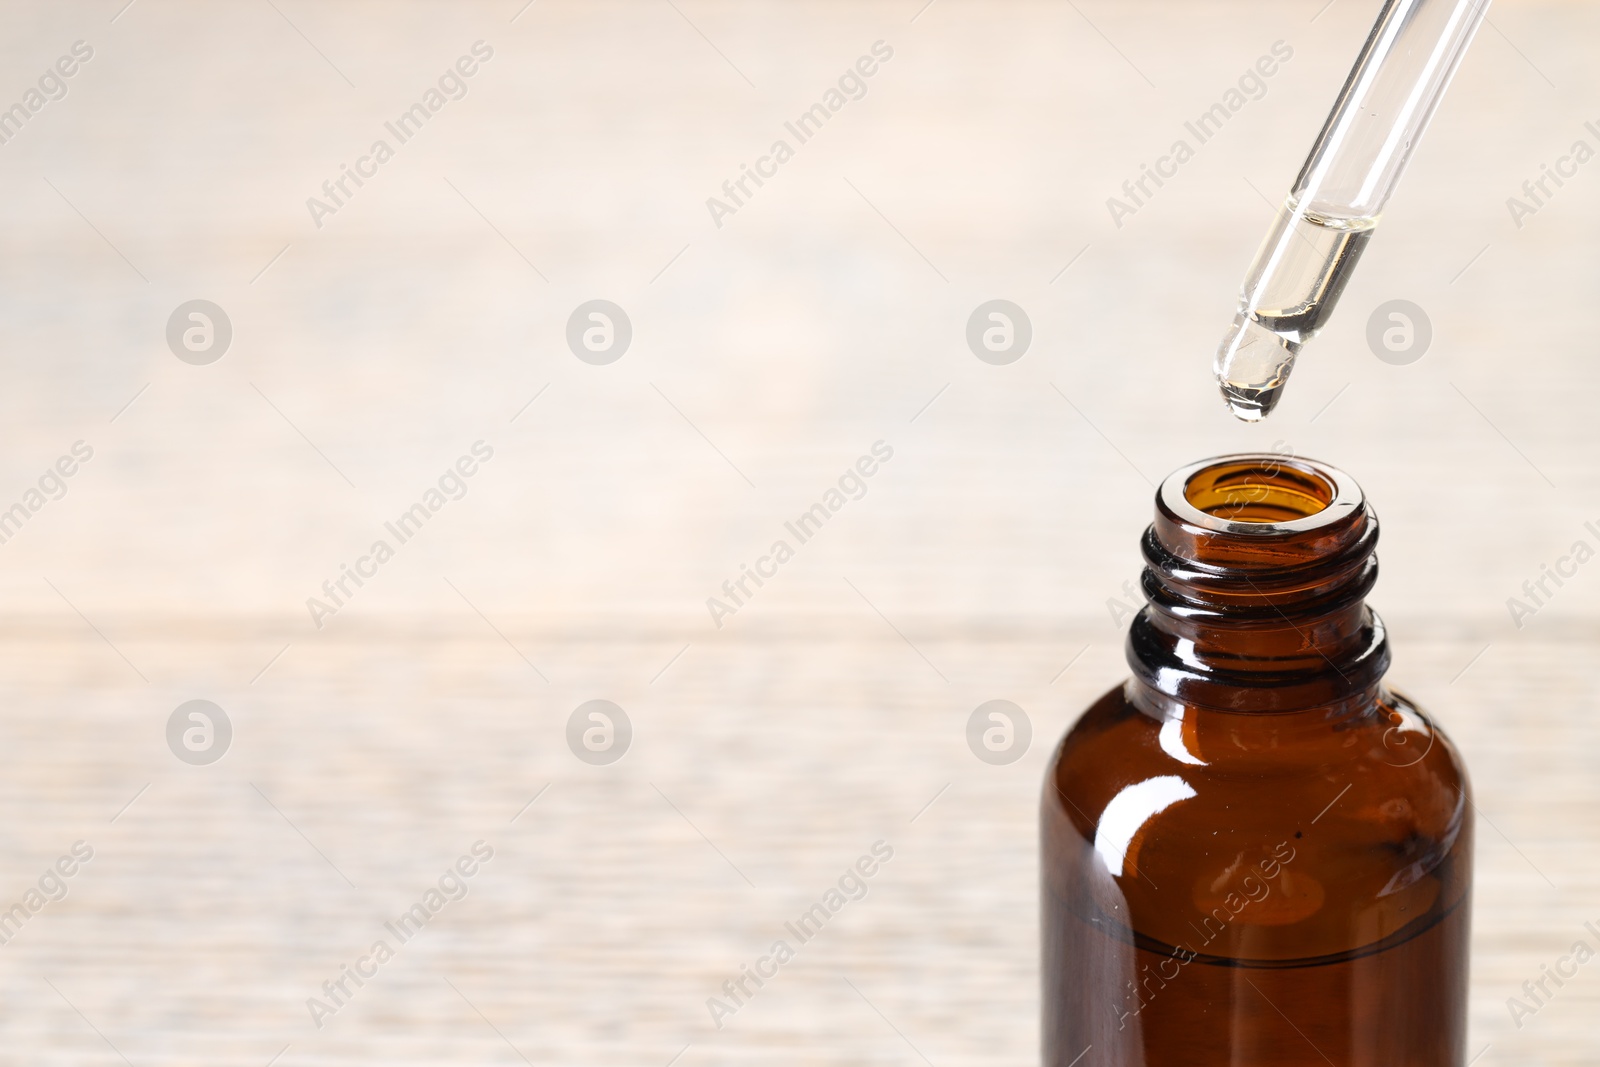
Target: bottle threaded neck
[{"x": 1256, "y": 571}]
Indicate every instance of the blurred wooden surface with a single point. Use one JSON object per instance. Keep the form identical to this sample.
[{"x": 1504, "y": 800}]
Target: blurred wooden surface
[{"x": 768, "y": 354}]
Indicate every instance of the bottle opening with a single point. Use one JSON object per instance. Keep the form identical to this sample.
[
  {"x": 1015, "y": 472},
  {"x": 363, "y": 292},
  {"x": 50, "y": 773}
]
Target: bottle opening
[{"x": 1258, "y": 489}]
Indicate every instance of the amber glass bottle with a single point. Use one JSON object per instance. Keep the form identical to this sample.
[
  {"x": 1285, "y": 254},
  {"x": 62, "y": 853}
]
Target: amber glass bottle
[{"x": 1253, "y": 852}]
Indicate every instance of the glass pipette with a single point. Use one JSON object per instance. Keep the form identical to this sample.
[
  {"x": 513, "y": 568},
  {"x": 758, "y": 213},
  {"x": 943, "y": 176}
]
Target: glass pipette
[{"x": 1329, "y": 214}]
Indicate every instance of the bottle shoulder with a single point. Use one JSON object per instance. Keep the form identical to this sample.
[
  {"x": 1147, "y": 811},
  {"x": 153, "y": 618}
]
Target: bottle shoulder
[{"x": 1392, "y": 744}]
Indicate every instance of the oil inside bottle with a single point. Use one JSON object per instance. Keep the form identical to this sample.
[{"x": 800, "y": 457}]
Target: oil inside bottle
[{"x": 1288, "y": 295}]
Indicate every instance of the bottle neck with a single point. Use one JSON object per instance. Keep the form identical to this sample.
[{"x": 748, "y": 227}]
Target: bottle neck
[{"x": 1256, "y": 572}]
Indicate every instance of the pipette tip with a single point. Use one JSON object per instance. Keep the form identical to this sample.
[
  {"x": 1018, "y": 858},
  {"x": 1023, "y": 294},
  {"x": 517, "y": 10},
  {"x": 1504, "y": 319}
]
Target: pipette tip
[
  {"x": 1252, "y": 365},
  {"x": 1249, "y": 405}
]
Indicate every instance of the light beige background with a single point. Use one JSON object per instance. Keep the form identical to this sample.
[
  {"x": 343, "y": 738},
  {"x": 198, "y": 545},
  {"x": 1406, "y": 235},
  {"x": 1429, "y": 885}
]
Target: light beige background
[{"x": 824, "y": 316}]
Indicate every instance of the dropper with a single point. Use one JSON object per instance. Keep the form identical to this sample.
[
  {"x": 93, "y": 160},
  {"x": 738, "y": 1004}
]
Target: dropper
[{"x": 1329, "y": 215}]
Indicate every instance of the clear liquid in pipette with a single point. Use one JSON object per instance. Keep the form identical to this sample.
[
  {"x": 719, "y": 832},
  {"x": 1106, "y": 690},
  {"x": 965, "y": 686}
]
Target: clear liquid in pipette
[{"x": 1288, "y": 295}]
